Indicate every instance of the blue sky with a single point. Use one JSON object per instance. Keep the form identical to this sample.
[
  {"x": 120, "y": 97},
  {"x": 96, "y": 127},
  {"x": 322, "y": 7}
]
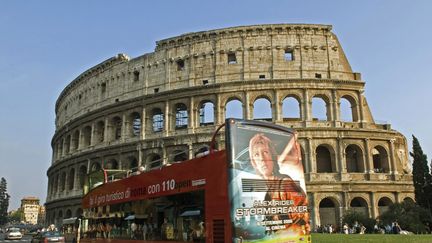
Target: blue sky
[{"x": 44, "y": 45}]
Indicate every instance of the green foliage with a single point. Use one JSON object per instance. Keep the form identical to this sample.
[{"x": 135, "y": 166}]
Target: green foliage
[
  {"x": 351, "y": 216},
  {"x": 16, "y": 216},
  {"x": 422, "y": 179},
  {"x": 410, "y": 216},
  {"x": 4, "y": 201}
]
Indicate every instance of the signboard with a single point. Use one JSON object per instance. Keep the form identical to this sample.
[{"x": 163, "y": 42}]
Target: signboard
[{"x": 266, "y": 183}]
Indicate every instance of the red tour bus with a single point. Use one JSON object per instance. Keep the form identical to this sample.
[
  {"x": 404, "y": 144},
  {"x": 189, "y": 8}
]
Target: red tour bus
[{"x": 254, "y": 191}]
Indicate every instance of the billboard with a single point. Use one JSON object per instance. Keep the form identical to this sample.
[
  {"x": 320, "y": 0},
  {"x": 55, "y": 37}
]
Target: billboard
[{"x": 266, "y": 183}]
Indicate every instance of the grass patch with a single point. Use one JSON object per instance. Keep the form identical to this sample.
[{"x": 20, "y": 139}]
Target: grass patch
[{"x": 372, "y": 238}]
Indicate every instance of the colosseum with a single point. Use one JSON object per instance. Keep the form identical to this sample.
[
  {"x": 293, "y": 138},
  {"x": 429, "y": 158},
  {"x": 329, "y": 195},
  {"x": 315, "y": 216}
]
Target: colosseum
[{"x": 164, "y": 106}]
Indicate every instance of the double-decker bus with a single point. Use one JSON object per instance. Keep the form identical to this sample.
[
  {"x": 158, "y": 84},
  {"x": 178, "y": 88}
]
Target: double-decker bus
[{"x": 253, "y": 191}]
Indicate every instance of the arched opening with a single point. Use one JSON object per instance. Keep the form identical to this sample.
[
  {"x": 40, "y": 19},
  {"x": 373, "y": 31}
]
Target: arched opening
[
  {"x": 181, "y": 116},
  {"x": 56, "y": 184},
  {"x": 157, "y": 120},
  {"x": 100, "y": 131},
  {"x": 262, "y": 110},
  {"x": 234, "y": 109},
  {"x": 135, "y": 124},
  {"x": 325, "y": 160},
  {"x": 320, "y": 111},
  {"x": 291, "y": 109},
  {"x": 409, "y": 200},
  {"x": 348, "y": 109},
  {"x": 75, "y": 140},
  {"x": 63, "y": 181},
  {"x": 78, "y": 212},
  {"x": 71, "y": 179},
  {"x": 180, "y": 155},
  {"x": 111, "y": 165},
  {"x": 328, "y": 211},
  {"x": 133, "y": 164},
  {"x": 384, "y": 204},
  {"x": 95, "y": 167},
  {"x": 154, "y": 161},
  {"x": 359, "y": 205},
  {"x": 116, "y": 128},
  {"x": 67, "y": 144},
  {"x": 68, "y": 214},
  {"x": 380, "y": 160},
  {"x": 206, "y": 114},
  {"x": 354, "y": 159},
  {"x": 82, "y": 174},
  {"x": 60, "y": 217},
  {"x": 87, "y": 136}
]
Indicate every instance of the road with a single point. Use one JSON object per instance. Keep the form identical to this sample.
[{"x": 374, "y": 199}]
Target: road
[{"x": 26, "y": 238}]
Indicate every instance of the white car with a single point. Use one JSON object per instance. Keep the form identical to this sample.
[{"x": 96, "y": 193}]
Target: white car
[{"x": 13, "y": 234}]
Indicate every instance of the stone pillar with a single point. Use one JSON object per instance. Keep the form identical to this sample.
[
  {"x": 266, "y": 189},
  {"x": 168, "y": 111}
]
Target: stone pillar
[
  {"x": 310, "y": 155},
  {"x": 276, "y": 107},
  {"x": 192, "y": 114},
  {"x": 106, "y": 128},
  {"x": 361, "y": 104},
  {"x": 143, "y": 124},
  {"x": 191, "y": 152},
  {"x": 140, "y": 156},
  {"x": 124, "y": 128},
  {"x": 373, "y": 206},
  {"x": 167, "y": 117},
  {"x": 392, "y": 157},
  {"x": 247, "y": 107},
  {"x": 219, "y": 111},
  {"x": 341, "y": 156},
  {"x": 164, "y": 155},
  {"x": 88, "y": 165},
  {"x": 313, "y": 211},
  {"x": 93, "y": 134},
  {"x": 369, "y": 160},
  {"x": 335, "y": 107}
]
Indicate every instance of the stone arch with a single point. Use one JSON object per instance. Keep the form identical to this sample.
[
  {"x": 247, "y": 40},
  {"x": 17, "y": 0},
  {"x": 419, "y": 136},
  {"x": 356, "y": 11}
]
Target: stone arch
[
  {"x": 206, "y": 113},
  {"x": 360, "y": 205},
  {"x": 262, "y": 109},
  {"x": 157, "y": 118},
  {"x": 384, "y": 204},
  {"x": 71, "y": 179},
  {"x": 116, "y": 124},
  {"x": 291, "y": 108},
  {"x": 68, "y": 214},
  {"x": 95, "y": 166},
  {"x": 100, "y": 131},
  {"x": 154, "y": 161},
  {"x": 112, "y": 164},
  {"x": 348, "y": 109},
  {"x": 75, "y": 140},
  {"x": 67, "y": 144},
  {"x": 329, "y": 211},
  {"x": 380, "y": 159},
  {"x": 320, "y": 108},
  {"x": 408, "y": 200},
  {"x": 179, "y": 155},
  {"x": 325, "y": 159},
  {"x": 87, "y": 131},
  {"x": 78, "y": 212},
  {"x": 354, "y": 159},
  {"x": 82, "y": 174},
  {"x": 132, "y": 163},
  {"x": 134, "y": 124},
  {"x": 234, "y": 108},
  {"x": 62, "y": 181},
  {"x": 181, "y": 116}
]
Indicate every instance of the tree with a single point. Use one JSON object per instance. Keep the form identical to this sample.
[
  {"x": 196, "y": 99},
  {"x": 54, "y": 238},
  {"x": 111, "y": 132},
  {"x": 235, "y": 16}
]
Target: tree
[
  {"x": 421, "y": 177},
  {"x": 16, "y": 216},
  {"x": 4, "y": 201}
]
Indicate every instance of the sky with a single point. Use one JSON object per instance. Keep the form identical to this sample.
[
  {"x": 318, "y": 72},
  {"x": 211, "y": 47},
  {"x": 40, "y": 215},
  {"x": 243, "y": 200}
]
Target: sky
[{"x": 44, "y": 45}]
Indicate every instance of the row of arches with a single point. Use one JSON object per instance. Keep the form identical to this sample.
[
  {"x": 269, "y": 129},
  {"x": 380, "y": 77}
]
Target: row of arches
[
  {"x": 132, "y": 125},
  {"x": 56, "y": 218},
  {"x": 329, "y": 212}
]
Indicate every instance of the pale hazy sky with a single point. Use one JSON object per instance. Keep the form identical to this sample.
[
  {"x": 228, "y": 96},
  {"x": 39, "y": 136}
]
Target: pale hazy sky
[{"x": 44, "y": 45}]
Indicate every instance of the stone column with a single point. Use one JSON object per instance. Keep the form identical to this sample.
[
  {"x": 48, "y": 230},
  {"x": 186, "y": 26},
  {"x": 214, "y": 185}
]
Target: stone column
[
  {"x": 361, "y": 109},
  {"x": 191, "y": 152},
  {"x": 247, "y": 111},
  {"x": 276, "y": 107},
  {"x": 307, "y": 108},
  {"x": 140, "y": 156},
  {"x": 192, "y": 114},
  {"x": 392, "y": 157},
  {"x": 92, "y": 134},
  {"x": 164, "y": 155},
  {"x": 106, "y": 128},
  {"x": 219, "y": 111},
  {"x": 373, "y": 206},
  {"x": 369, "y": 160},
  {"x": 124, "y": 128},
  {"x": 341, "y": 156},
  {"x": 310, "y": 154},
  {"x": 143, "y": 124},
  {"x": 167, "y": 117}
]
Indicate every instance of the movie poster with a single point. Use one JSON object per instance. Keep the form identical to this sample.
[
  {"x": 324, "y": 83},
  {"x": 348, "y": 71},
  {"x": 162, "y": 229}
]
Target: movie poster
[{"x": 266, "y": 183}]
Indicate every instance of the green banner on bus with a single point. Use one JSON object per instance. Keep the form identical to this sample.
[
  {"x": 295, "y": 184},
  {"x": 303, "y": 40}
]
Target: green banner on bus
[{"x": 266, "y": 183}]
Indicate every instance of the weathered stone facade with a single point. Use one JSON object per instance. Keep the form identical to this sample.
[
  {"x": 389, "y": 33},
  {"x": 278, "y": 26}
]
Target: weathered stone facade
[{"x": 126, "y": 112}]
